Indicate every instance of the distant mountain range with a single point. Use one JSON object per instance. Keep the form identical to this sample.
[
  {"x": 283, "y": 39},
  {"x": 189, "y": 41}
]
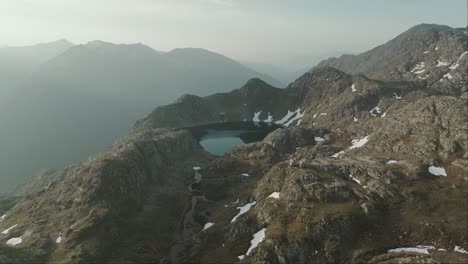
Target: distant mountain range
[{"x": 71, "y": 100}]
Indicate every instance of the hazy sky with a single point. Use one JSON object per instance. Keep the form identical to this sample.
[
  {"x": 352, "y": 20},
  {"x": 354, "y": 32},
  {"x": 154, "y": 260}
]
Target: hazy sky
[{"x": 268, "y": 31}]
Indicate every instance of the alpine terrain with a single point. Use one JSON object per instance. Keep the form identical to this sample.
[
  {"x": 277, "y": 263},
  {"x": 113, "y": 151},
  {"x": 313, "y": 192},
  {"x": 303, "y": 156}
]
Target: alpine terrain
[{"x": 370, "y": 166}]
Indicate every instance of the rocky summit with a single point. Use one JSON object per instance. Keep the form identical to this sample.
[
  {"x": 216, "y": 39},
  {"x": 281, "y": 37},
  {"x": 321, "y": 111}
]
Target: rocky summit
[{"x": 370, "y": 166}]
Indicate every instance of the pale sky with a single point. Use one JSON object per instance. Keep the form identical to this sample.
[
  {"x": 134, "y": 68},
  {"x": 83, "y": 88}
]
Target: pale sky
[{"x": 266, "y": 31}]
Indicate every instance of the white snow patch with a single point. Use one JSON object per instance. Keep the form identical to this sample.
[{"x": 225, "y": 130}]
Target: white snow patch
[
  {"x": 426, "y": 52},
  {"x": 396, "y": 96},
  {"x": 437, "y": 48},
  {"x": 384, "y": 114},
  {"x": 353, "y": 88},
  {"x": 59, "y": 238},
  {"x": 441, "y": 249},
  {"x": 419, "y": 68},
  {"x": 243, "y": 209},
  {"x": 269, "y": 118},
  {"x": 323, "y": 114},
  {"x": 375, "y": 111},
  {"x": 337, "y": 154},
  {"x": 256, "y": 117},
  {"x": 208, "y": 225},
  {"x": 14, "y": 241},
  {"x": 275, "y": 195},
  {"x": 355, "y": 179},
  {"x": 355, "y": 119},
  {"x": 319, "y": 139},
  {"x": 245, "y": 174},
  {"x": 357, "y": 143},
  {"x": 441, "y": 63},
  {"x": 460, "y": 250},
  {"x": 437, "y": 171},
  {"x": 422, "y": 78},
  {"x": 241, "y": 257},
  {"x": 257, "y": 238},
  {"x": 456, "y": 65},
  {"x": 6, "y": 231},
  {"x": 315, "y": 115},
  {"x": 298, "y": 115},
  {"x": 2, "y": 217},
  {"x": 448, "y": 76},
  {"x": 285, "y": 118},
  {"x": 196, "y": 168},
  {"x": 417, "y": 249},
  {"x": 388, "y": 162}
]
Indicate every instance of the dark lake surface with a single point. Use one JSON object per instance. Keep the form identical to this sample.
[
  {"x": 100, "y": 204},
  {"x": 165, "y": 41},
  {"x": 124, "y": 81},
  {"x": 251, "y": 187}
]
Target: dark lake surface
[{"x": 221, "y": 137}]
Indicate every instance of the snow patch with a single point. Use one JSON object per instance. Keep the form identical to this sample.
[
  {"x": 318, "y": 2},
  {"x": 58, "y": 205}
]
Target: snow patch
[
  {"x": 290, "y": 117},
  {"x": 245, "y": 174},
  {"x": 337, "y": 154},
  {"x": 396, "y": 96},
  {"x": 353, "y": 88},
  {"x": 275, "y": 195},
  {"x": 355, "y": 179},
  {"x": 437, "y": 48},
  {"x": 388, "y": 162},
  {"x": 384, "y": 114},
  {"x": 59, "y": 238},
  {"x": 417, "y": 249},
  {"x": 269, "y": 118},
  {"x": 355, "y": 119},
  {"x": 14, "y": 241},
  {"x": 323, "y": 114},
  {"x": 426, "y": 52},
  {"x": 375, "y": 111},
  {"x": 2, "y": 217},
  {"x": 241, "y": 257},
  {"x": 358, "y": 143},
  {"x": 319, "y": 139},
  {"x": 243, "y": 209},
  {"x": 257, "y": 238},
  {"x": 456, "y": 65},
  {"x": 285, "y": 118},
  {"x": 460, "y": 250},
  {"x": 256, "y": 117},
  {"x": 437, "y": 171},
  {"x": 448, "y": 76},
  {"x": 419, "y": 68},
  {"x": 207, "y": 225},
  {"x": 196, "y": 168},
  {"x": 441, "y": 63},
  {"x": 298, "y": 116},
  {"x": 6, "y": 231}
]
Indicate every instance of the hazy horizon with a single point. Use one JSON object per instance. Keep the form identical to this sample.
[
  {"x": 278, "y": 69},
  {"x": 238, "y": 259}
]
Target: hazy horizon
[{"x": 266, "y": 32}]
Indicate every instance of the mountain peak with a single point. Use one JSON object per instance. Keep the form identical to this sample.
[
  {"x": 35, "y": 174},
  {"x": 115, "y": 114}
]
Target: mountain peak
[
  {"x": 426, "y": 26},
  {"x": 256, "y": 82},
  {"x": 98, "y": 44}
]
